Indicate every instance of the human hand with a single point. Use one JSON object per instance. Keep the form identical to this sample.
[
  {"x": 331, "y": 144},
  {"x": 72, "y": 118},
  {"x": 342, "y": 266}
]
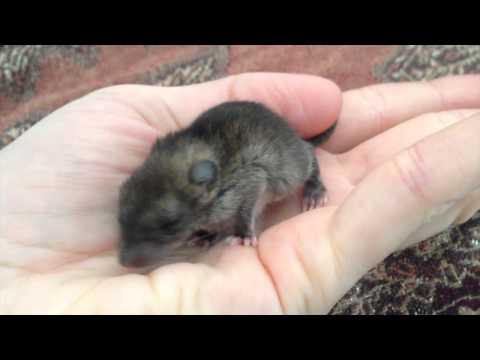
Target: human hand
[{"x": 59, "y": 187}]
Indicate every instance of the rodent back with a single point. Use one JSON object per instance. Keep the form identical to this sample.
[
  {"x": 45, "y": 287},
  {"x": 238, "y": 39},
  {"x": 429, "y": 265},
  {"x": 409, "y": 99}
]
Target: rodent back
[
  {"x": 243, "y": 128},
  {"x": 245, "y": 134}
]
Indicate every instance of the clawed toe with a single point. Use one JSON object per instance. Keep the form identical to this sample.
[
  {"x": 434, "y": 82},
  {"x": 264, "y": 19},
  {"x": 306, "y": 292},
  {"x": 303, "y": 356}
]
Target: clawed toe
[
  {"x": 313, "y": 202},
  {"x": 246, "y": 241}
]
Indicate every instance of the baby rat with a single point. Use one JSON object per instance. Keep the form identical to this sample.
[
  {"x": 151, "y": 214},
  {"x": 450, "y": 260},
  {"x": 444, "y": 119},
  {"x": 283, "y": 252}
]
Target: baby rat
[{"x": 208, "y": 182}]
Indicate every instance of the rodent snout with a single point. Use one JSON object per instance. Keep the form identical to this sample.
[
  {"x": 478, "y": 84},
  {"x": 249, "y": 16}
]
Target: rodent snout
[{"x": 133, "y": 260}]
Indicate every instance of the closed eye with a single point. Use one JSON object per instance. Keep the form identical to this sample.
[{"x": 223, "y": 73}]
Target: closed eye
[
  {"x": 163, "y": 227},
  {"x": 169, "y": 224},
  {"x": 157, "y": 223}
]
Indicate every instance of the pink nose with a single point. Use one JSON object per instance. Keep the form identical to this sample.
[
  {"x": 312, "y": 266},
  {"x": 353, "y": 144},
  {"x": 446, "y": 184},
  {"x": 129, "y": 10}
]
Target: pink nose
[{"x": 133, "y": 260}]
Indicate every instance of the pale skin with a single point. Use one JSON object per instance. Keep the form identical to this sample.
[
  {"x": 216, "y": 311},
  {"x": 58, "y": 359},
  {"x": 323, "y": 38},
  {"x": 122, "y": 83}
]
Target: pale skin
[{"x": 403, "y": 165}]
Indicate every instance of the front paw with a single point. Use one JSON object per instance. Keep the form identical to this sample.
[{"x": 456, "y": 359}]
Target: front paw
[{"x": 244, "y": 241}]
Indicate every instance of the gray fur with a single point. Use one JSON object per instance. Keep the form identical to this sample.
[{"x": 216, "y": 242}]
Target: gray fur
[{"x": 251, "y": 153}]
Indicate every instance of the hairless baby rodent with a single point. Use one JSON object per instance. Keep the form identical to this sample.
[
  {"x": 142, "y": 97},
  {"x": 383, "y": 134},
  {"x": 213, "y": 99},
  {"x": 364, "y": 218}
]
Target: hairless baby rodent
[{"x": 208, "y": 182}]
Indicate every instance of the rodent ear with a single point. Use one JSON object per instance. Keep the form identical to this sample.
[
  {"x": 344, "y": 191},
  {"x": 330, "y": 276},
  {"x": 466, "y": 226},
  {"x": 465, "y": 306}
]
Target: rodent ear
[{"x": 203, "y": 172}]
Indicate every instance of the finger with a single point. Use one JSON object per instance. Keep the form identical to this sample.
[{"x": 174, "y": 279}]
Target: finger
[
  {"x": 404, "y": 195},
  {"x": 371, "y": 110},
  {"x": 383, "y": 211},
  {"x": 311, "y": 104},
  {"x": 361, "y": 160}
]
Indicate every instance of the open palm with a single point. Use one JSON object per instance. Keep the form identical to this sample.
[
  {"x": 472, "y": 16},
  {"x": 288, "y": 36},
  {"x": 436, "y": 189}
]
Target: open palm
[{"x": 60, "y": 180}]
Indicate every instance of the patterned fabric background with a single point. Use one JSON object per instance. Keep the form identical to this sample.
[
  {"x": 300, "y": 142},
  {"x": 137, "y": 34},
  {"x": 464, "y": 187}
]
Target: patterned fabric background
[{"x": 439, "y": 276}]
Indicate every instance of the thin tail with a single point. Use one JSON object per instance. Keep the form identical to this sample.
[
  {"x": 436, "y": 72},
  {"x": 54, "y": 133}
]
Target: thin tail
[{"x": 319, "y": 139}]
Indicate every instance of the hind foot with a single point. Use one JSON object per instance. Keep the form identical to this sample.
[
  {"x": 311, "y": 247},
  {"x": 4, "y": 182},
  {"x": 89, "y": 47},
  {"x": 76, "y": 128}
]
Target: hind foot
[{"x": 314, "y": 196}]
